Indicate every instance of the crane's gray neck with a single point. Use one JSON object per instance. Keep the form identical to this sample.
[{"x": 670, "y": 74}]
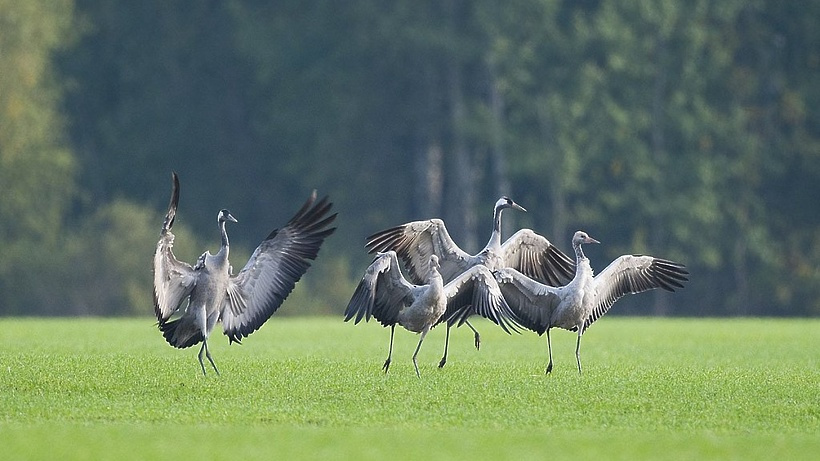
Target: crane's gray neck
[
  {"x": 434, "y": 278},
  {"x": 495, "y": 237},
  {"x": 225, "y": 243},
  {"x": 579, "y": 253}
]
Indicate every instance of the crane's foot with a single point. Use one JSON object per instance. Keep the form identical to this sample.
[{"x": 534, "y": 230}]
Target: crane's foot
[
  {"x": 477, "y": 341},
  {"x": 386, "y": 365},
  {"x": 549, "y": 368},
  {"x": 442, "y": 362}
]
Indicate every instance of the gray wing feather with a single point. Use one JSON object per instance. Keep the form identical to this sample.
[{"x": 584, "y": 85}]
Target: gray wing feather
[
  {"x": 382, "y": 293},
  {"x": 274, "y": 268},
  {"x": 476, "y": 292},
  {"x": 532, "y": 302},
  {"x": 631, "y": 274},
  {"x": 415, "y": 242},
  {"x": 534, "y": 256},
  {"x": 173, "y": 280}
]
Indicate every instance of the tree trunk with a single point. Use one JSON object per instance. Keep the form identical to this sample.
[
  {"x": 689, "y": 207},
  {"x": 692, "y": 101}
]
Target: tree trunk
[
  {"x": 463, "y": 173},
  {"x": 557, "y": 191},
  {"x": 498, "y": 154},
  {"x": 463, "y": 190},
  {"x": 660, "y": 305},
  {"x": 429, "y": 180}
]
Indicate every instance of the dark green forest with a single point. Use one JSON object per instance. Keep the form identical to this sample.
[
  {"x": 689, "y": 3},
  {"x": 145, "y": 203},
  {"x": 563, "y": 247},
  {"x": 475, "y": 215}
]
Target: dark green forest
[{"x": 685, "y": 130}]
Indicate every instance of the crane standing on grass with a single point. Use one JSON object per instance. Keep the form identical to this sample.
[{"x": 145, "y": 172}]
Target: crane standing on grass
[
  {"x": 385, "y": 294},
  {"x": 207, "y": 292},
  {"x": 526, "y": 251},
  {"x": 586, "y": 298}
]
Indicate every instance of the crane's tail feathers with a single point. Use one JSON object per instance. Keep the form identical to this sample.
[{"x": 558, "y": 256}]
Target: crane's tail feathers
[{"x": 180, "y": 335}]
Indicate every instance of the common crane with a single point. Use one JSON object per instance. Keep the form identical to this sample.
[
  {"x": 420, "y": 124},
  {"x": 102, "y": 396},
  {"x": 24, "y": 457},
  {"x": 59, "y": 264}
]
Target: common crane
[
  {"x": 242, "y": 302},
  {"x": 385, "y": 294},
  {"x": 525, "y": 251},
  {"x": 586, "y": 298}
]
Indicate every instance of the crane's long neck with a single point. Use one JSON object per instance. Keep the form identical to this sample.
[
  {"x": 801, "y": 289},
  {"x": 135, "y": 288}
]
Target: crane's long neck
[
  {"x": 495, "y": 237},
  {"x": 579, "y": 253},
  {"x": 225, "y": 243},
  {"x": 583, "y": 271},
  {"x": 435, "y": 281}
]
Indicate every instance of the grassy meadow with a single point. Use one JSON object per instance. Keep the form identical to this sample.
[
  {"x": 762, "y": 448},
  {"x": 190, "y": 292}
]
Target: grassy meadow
[{"x": 313, "y": 388}]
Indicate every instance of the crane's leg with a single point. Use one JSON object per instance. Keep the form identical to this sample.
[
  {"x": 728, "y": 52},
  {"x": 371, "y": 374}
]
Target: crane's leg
[
  {"x": 477, "y": 336},
  {"x": 208, "y": 354},
  {"x": 201, "y": 350},
  {"x": 578, "y": 350},
  {"x": 204, "y": 348},
  {"x": 415, "y": 363},
  {"x": 386, "y": 365},
  {"x": 446, "y": 345},
  {"x": 549, "y": 351}
]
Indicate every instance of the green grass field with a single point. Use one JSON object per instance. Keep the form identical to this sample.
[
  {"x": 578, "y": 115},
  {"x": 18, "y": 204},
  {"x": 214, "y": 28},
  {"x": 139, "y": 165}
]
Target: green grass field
[{"x": 312, "y": 388}]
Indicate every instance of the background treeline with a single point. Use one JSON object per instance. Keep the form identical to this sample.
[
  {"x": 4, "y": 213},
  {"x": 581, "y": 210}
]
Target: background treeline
[{"x": 687, "y": 130}]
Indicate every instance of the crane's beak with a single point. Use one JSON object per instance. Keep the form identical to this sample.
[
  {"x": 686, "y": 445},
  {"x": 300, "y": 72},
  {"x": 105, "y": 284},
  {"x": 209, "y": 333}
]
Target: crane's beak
[
  {"x": 231, "y": 218},
  {"x": 519, "y": 207},
  {"x": 590, "y": 240}
]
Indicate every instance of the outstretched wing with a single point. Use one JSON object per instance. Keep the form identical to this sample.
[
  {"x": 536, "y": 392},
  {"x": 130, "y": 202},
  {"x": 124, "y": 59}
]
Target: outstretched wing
[
  {"x": 476, "y": 292},
  {"x": 382, "y": 293},
  {"x": 274, "y": 268},
  {"x": 173, "y": 280},
  {"x": 633, "y": 274},
  {"x": 532, "y": 302},
  {"x": 415, "y": 242},
  {"x": 537, "y": 258}
]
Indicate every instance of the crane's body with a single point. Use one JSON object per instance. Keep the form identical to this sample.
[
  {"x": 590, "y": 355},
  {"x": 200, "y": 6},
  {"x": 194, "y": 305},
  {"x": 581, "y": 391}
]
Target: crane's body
[
  {"x": 190, "y": 300},
  {"x": 386, "y": 295},
  {"x": 416, "y": 241},
  {"x": 576, "y": 305}
]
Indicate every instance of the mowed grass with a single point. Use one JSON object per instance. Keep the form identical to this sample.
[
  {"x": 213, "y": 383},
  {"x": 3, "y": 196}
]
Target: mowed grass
[{"x": 312, "y": 388}]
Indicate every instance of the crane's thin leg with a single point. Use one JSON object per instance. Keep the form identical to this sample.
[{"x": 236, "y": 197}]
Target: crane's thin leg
[
  {"x": 578, "y": 350},
  {"x": 446, "y": 345},
  {"x": 415, "y": 363},
  {"x": 204, "y": 348},
  {"x": 477, "y": 336},
  {"x": 549, "y": 349},
  {"x": 208, "y": 354},
  {"x": 201, "y": 350},
  {"x": 386, "y": 365}
]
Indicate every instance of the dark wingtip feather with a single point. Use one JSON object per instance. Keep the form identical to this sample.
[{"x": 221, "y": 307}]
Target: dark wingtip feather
[
  {"x": 564, "y": 266},
  {"x": 384, "y": 240},
  {"x": 669, "y": 274},
  {"x": 172, "y": 205},
  {"x": 360, "y": 304}
]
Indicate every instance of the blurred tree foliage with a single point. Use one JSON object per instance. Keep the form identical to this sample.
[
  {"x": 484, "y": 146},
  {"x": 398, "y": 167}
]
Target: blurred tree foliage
[
  {"x": 37, "y": 168},
  {"x": 688, "y": 131}
]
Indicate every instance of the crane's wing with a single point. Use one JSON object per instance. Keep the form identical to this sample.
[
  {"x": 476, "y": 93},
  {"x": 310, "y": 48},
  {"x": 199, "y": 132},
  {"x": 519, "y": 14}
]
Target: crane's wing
[
  {"x": 382, "y": 293},
  {"x": 274, "y": 268},
  {"x": 173, "y": 280},
  {"x": 532, "y": 302},
  {"x": 476, "y": 292},
  {"x": 415, "y": 242},
  {"x": 537, "y": 258},
  {"x": 633, "y": 274}
]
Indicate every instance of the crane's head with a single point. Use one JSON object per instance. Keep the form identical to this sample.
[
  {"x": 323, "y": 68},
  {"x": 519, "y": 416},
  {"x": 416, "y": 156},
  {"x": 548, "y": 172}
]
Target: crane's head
[
  {"x": 225, "y": 215},
  {"x": 581, "y": 237},
  {"x": 506, "y": 202},
  {"x": 434, "y": 263}
]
